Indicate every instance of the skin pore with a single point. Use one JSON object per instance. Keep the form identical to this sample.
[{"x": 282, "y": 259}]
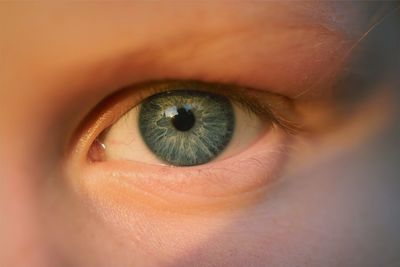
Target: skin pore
[{"x": 333, "y": 204}]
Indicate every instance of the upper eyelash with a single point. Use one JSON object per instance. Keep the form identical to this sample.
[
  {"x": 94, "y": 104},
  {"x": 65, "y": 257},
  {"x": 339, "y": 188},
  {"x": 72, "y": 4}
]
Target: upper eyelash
[
  {"x": 256, "y": 106},
  {"x": 239, "y": 95}
]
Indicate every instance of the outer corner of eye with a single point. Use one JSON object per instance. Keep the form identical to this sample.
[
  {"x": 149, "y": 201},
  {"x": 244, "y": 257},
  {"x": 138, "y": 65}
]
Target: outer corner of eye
[{"x": 184, "y": 139}]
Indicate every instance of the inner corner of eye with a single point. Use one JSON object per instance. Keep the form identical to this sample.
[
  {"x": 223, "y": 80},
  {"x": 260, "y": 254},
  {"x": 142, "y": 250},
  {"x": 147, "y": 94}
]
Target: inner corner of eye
[
  {"x": 181, "y": 126},
  {"x": 97, "y": 150}
]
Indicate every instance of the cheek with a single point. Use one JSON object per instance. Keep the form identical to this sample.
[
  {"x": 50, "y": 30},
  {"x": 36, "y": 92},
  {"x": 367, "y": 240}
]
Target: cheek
[
  {"x": 107, "y": 225},
  {"x": 291, "y": 225}
]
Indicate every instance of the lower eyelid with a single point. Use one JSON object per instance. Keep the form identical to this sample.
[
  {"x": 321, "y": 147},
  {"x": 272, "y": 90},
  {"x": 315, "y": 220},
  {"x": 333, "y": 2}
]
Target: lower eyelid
[{"x": 242, "y": 175}]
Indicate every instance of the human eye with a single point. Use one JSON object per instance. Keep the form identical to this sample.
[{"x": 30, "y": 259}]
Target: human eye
[
  {"x": 189, "y": 140},
  {"x": 115, "y": 153}
]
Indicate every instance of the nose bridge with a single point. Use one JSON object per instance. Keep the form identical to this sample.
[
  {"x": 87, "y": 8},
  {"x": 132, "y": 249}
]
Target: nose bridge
[{"x": 22, "y": 242}]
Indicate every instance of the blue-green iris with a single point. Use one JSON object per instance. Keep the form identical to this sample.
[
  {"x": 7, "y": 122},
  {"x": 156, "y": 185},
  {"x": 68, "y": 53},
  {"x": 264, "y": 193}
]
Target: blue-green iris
[{"x": 186, "y": 128}]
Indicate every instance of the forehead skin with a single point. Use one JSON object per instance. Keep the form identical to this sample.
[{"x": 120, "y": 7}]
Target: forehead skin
[{"x": 58, "y": 59}]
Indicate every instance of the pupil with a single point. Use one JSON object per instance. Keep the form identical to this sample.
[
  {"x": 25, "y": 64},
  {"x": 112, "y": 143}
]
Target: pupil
[{"x": 184, "y": 120}]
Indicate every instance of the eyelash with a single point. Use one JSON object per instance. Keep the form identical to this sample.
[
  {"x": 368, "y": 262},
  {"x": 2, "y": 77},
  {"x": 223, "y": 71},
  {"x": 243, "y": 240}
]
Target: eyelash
[
  {"x": 248, "y": 99},
  {"x": 264, "y": 163}
]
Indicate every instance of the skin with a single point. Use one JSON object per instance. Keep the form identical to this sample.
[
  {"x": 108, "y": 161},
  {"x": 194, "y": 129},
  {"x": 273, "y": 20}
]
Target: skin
[{"x": 334, "y": 204}]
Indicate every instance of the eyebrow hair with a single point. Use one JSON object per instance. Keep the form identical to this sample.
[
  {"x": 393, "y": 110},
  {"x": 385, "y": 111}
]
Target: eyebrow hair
[
  {"x": 373, "y": 60},
  {"x": 332, "y": 14},
  {"x": 377, "y": 10},
  {"x": 363, "y": 72}
]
